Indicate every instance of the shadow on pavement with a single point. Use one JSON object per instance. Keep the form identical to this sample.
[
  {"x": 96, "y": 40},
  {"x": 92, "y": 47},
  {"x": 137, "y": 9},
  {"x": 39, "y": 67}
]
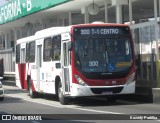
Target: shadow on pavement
[{"x": 85, "y": 101}]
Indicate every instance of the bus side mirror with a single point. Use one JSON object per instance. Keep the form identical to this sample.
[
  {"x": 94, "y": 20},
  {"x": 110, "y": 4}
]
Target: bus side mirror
[
  {"x": 58, "y": 65},
  {"x": 70, "y": 46}
]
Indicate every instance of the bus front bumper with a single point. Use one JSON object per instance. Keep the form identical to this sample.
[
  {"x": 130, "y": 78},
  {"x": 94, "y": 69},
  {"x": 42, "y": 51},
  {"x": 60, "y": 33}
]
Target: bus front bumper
[{"x": 79, "y": 90}]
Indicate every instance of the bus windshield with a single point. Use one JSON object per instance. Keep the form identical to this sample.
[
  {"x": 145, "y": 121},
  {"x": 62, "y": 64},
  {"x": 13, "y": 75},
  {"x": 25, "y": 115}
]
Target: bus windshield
[{"x": 103, "y": 55}]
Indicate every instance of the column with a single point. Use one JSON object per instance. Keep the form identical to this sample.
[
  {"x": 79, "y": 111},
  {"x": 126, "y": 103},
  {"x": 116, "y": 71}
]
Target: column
[
  {"x": 20, "y": 32},
  {"x": 86, "y": 15},
  {"x": 12, "y": 38},
  {"x": 130, "y": 12},
  {"x": 119, "y": 4},
  {"x": 106, "y": 11},
  {"x": 44, "y": 23},
  {"x": 156, "y": 91},
  {"x": 15, "y": 35},
  {"x": 70, "y": 18},
  {"x": 84, "y": 11},
  {"x": 1, "y": 40},
  {"x": 6, "y": 44},
  {"x": 119, "y": 13},
  {"x": 156, "y": 36},
  {"x": 63, "y": 19}
]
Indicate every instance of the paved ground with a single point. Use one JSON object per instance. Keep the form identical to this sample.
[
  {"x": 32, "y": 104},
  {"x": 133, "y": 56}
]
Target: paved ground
[{"x": 87, "y": 110}]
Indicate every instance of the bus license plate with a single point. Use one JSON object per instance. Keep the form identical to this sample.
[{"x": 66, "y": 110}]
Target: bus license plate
[{"x": 107, "y": 92}]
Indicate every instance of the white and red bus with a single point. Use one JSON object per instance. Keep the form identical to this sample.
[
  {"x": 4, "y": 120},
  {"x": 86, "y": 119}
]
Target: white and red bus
[{"x": 77, "y": 61}]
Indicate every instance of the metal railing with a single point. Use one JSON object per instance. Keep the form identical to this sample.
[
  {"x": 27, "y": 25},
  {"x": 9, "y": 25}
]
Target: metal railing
[{"x": 8, "y": 56}]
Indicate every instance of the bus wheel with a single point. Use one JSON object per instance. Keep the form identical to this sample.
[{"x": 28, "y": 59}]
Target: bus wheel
[
  {"x": 1, "y": 98},
  {"x": 62, "y": 99},
  {"x": 32, "y": 94}
]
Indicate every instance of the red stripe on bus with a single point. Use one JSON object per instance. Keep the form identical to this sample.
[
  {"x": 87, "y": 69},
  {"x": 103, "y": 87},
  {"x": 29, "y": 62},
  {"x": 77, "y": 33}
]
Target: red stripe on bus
[{"x": 22, "y": 72}]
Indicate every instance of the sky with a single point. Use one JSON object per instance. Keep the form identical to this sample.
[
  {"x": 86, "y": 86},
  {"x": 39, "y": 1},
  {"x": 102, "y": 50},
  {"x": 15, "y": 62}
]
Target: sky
[{"x": 2, "y": 2}]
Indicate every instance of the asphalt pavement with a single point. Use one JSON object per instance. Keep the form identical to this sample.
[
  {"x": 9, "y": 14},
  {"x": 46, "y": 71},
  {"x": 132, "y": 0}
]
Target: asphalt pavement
[{"x": 85, "y": 110}]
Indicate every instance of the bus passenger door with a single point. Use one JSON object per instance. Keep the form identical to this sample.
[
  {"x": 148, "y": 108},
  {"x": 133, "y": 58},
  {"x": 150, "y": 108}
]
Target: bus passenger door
[
  {"x": 65, "y": 68},
  {"x": 38, "y": 66},
  {"x": 22, "y": 66}
]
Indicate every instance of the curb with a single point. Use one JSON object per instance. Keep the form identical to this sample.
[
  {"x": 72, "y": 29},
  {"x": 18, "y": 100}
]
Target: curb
[{"x": 8, "y": 83}]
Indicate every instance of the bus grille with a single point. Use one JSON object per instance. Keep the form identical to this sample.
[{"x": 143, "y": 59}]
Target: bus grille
[{"x": 103, "y": 90}]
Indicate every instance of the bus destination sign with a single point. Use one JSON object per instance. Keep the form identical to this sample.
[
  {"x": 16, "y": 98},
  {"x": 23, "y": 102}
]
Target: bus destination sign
[{"x": 101, "y": 31}]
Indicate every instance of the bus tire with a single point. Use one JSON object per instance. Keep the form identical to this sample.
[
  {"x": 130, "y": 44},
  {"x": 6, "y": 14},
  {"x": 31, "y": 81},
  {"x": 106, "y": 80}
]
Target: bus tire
[
  {"x": 62, "y": 99},
  {"x": 1, "y": 98},
  {"x": 32, "y": 94},
  {"x": 57, "y": 80}
]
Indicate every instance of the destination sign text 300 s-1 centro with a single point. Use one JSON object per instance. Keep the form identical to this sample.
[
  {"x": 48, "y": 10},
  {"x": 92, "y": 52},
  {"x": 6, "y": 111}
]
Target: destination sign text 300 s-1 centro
[{"x": 101, "y": 31}]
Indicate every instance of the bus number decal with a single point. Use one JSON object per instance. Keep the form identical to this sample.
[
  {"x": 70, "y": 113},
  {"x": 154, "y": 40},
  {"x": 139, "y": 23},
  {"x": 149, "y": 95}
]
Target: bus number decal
[{"x": 93, "y": 63}]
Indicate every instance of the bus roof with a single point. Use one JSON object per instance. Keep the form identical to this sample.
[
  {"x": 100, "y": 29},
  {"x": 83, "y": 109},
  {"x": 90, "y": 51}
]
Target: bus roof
[
  {"x": 51, "y": 31},
  {"x": 102, "y": 24},
  {"x": 59, "y": 30},
  {"x": 44, "y": 33},
  {"x": 27, "y": 39}
]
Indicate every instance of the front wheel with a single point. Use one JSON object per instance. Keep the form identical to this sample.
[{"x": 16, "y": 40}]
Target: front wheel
[
  {"x": 62, "y": 99},
  {"x": 32, "y": 94},
  {"x": 1, "y": 98}
]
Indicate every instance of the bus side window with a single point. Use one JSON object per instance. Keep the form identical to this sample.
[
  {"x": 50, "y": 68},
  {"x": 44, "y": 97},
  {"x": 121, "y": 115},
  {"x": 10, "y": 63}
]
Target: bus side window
[
  {"x": 65, "y": 54},
  {"x": 32, "y": 52},
  {"x": 23, "y": 54},
  {"x": 18, "y": 53},
  {"x": 47, "y": 49},
  {"x": 27, "y": 52},
  {"x": 56, "y": 47}
]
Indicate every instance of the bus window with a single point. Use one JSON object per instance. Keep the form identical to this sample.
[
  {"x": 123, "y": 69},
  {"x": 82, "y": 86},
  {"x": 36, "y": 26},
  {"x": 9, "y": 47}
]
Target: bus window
[
  {"x": 47, "y": 49},
  {"x": 23, "y": 55},
  {"x": 32, "y": 51},
  {"x": 56, "y": 48},
  {"x": 27, "y": 52},
  {"x": 18, "y": 53},
  {"x": 65, "y": 54}
]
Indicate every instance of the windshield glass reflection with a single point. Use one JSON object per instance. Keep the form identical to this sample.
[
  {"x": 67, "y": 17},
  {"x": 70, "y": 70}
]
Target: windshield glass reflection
[{"x": 103, "y": 55}]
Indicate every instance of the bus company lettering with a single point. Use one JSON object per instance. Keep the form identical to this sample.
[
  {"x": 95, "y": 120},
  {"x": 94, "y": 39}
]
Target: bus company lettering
[{"x": 99, "y": 31}]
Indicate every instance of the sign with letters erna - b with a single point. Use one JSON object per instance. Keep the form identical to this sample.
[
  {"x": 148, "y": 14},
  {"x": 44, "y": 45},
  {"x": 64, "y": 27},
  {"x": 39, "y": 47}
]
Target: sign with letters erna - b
[{"x": 19, "y": 8}]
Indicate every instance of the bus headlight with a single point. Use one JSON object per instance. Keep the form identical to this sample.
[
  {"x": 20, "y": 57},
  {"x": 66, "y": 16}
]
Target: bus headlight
[
  {"x": 80, "y": 81},
  {"x": 131, "y": 78}
]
